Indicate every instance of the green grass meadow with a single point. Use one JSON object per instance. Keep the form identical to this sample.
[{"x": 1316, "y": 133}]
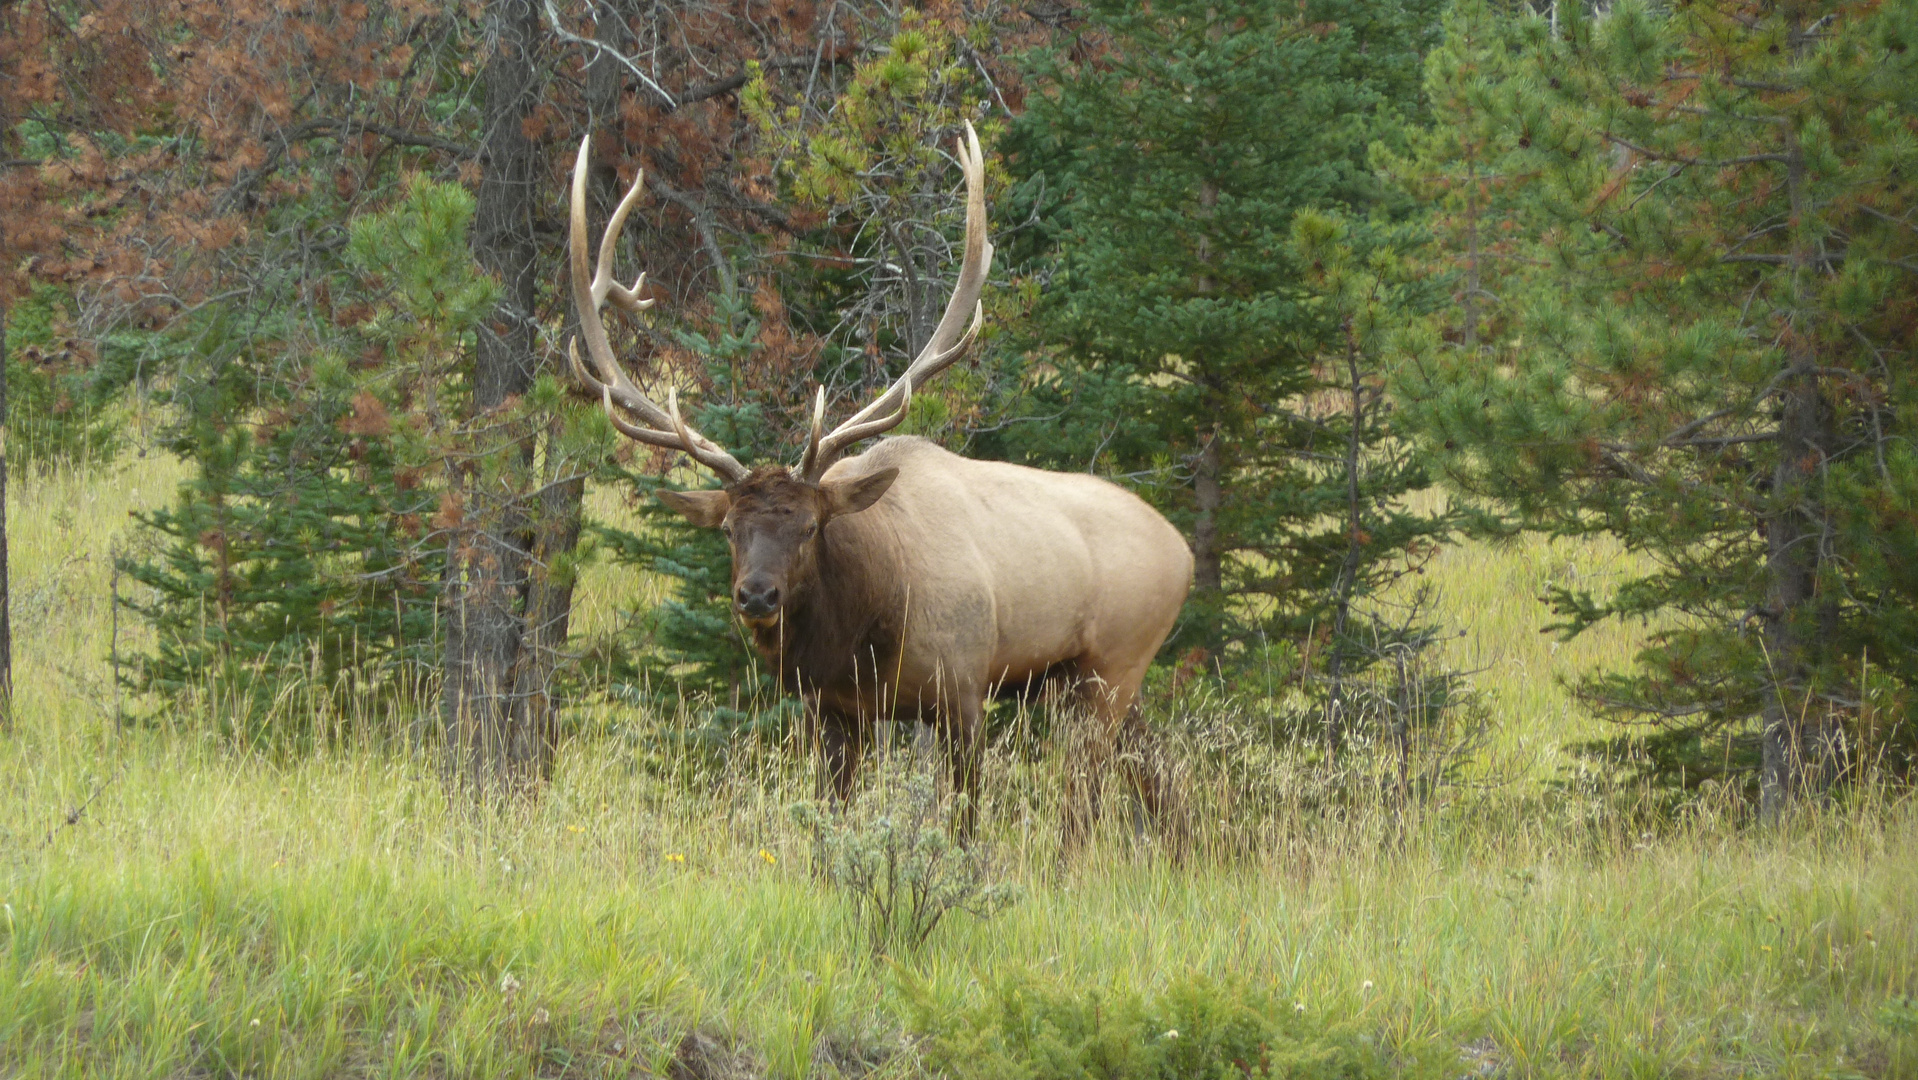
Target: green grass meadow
[{"x": 172, "y": 906}]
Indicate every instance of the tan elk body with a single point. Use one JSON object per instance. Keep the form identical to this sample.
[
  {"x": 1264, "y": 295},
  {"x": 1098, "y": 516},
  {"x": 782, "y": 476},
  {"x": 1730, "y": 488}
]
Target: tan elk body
[{"x": 909, "y": 582}]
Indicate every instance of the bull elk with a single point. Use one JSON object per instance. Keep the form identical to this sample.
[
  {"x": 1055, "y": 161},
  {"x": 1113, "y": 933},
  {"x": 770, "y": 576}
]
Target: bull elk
[{"x": 907, "y": 582}]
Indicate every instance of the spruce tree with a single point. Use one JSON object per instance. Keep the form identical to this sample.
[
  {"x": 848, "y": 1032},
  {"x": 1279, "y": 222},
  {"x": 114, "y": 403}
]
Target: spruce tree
[
  {"x": 1353, "y": 471},
  {"x": 1697, "y": 337},
  {"x": 1174, "y": 342}
]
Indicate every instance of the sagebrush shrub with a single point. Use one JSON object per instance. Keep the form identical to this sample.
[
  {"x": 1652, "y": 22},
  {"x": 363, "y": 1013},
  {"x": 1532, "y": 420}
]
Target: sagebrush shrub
[{"x": 902, "y": 870}]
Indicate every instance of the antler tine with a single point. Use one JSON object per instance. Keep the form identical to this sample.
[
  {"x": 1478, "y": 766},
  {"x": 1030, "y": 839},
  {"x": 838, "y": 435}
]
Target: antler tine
[
  {"x": 950, "y": 339},
  {"x": 604, "y": 284},
  {"x": 680, "y": 429},
  {"x": 634, "y": 432},
  {"x": 580, "y": 374},
  {"x": 818, "y": 430},
  {"x": 850, "y": 433},
  {"x": 590, "y": 292}
]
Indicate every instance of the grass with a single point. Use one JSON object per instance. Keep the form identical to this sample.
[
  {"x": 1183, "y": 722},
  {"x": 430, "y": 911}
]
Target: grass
[{"x": 215, "y": 912}]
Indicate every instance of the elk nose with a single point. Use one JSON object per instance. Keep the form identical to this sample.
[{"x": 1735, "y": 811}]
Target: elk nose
[{"x": 757, "y": 598}]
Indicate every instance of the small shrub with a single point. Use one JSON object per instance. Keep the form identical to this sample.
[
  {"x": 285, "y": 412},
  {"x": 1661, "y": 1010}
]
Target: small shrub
[
  {"x": 900, "y": 867},
  {"x": 1195, "y": 1028},
  {"x": 58, "y": 390}
]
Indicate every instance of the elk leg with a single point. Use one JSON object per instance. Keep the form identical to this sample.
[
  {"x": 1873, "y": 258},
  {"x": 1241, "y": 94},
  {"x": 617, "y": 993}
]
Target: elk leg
[
  {"x": 1103, "y": 701},
  {"x": 841, "y": 745},
  {"x": 1088, "y": 754},
  {"x": 1148, "y": 769},
  {"x": 961, "y": 732}
]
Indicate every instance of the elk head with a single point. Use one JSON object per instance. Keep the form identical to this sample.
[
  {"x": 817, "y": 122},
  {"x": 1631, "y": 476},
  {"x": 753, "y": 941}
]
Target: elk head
[{"x": 774, "y": 518}]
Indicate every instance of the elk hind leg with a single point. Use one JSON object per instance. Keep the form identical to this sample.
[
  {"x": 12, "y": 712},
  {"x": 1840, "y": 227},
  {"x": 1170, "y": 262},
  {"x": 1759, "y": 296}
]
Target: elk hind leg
[
  {"x": 1153, "y": 775},
  {"x": 1089, "y": 741},
  {"x": 962, "y": 732}
]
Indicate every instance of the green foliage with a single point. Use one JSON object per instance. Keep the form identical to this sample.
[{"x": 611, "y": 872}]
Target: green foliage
[
  {"x": 1681, "y": 243},
  {"x": 905, "y": 874},
  {"x": 304, "y": 551},
  {"x": 1176, "y": 341},
  {"x": 885, "y": 133},
  {"x": 417, "y": 254},
  {"x": 880, "y": 213},
  {"x": 58, "y": 394},
  {"x": 1354, "y": 473},
  {"x": 1197, "y": 1027}
]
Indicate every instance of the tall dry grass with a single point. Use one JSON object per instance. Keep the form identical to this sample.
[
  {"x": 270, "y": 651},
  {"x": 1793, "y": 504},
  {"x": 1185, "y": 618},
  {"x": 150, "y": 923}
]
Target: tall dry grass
[{"x": 215, "y": 910}]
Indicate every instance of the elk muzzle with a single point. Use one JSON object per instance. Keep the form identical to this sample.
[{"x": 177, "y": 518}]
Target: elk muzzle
[{"x": 757, "y": 597}]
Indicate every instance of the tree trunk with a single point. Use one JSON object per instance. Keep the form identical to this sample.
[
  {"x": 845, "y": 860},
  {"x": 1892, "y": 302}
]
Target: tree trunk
[
  {"x": 6, "y": 603},
  {"x": 1208, "y": 574},
  {"x": 549, "y": 579},
  {"x": 1799, "y": 742},
  {"x": 490, "y": 743},
  {"x": 549, "y": 612},
  {"x": 1471, "y": 257},
  {"x": 1335, "y": 719},
  {"x": 1799, "y": 745},
  {"x": 6, "y": 590},
  {"x": 1208, "y": 488}
]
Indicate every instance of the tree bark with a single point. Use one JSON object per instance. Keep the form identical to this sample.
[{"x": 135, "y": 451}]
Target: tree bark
[
  {"x": 1799, "y": 743},
  {"x": 1208, "y": 573},
  {"x": 549, "y": 612},
  {"x": 6, "y": 602},
  {"x": 490, "y": 743},
  {"x": 1471, "y": 256},
  {"x": 549, "y": 580},
  {"x": 1208, "y": 487}
]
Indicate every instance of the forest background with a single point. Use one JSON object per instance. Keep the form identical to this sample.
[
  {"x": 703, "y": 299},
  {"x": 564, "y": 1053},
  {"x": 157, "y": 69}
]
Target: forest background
[{"x": 1375, "y": 301}]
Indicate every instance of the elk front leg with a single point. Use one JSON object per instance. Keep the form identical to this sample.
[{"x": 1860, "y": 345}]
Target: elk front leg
[{"x": 842, "y": 742}]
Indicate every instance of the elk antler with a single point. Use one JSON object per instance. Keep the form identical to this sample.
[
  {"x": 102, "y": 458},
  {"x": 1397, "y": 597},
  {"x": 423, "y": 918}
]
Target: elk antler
[
  {"x": 663, "y": 426},
  {"x": 948, "y": 342}
]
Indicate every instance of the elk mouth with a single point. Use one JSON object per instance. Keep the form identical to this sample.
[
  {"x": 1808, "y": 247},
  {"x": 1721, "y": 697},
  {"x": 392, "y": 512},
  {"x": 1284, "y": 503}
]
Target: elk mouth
[{"x": 758, "y": 612}]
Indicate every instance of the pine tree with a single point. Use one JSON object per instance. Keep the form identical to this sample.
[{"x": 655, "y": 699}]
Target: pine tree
[
  {"x": 1359, "y": 535},
  {"x": 1699, "y": 339},
  {"x": 1175, "y": 340},
  {"x": 301, "y": 552}
]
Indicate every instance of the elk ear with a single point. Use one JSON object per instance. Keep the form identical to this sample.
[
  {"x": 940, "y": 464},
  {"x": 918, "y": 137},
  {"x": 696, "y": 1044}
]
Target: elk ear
[
  {"x": 852, "y": 496},
  {"x": 705, "y": 509}
]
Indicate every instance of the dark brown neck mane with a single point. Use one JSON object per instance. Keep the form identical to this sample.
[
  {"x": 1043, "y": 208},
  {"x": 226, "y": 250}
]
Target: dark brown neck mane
[{"x": 841, "y": 634}]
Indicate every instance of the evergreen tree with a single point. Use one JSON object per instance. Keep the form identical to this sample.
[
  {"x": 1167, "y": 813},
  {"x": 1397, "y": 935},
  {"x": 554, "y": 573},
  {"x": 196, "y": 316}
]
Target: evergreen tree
[
  {"x": 1699, "y": 338},
  {"x": 1175, "y": 341},
  {"x": 301, "y": 552},
  {"x": 1358, "y": 535}
]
